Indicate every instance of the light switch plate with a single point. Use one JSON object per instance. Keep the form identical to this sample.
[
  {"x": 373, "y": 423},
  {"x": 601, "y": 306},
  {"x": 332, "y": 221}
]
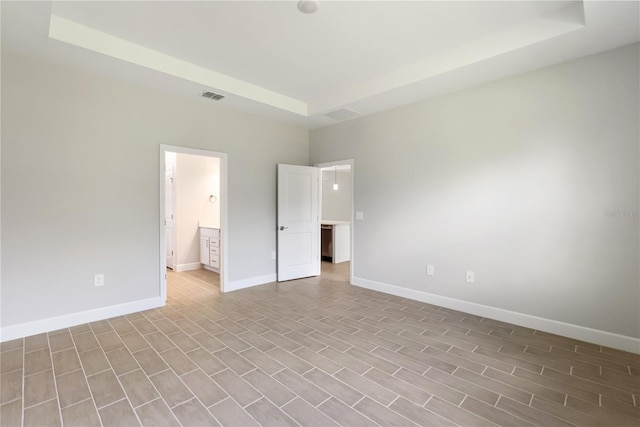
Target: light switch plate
[
  {"x": 359, "y": 215},
  {"x": 471, "y": 277},
  {"x": 430, "y": 270},
  {"x": 98, "y": 280}
]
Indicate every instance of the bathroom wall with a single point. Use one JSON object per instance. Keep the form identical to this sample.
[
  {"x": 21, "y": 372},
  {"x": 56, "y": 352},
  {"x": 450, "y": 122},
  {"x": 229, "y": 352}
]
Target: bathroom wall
[{"x": 197, "y": 177}]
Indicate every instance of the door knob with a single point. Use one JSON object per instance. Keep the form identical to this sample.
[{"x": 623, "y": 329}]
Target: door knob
[{"x": 282, "y": 227}]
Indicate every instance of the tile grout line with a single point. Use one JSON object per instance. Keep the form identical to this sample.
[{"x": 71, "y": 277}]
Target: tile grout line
[
  {"x": 251, "y": 403},
  {"x": 393, "y": 401},
  {"x": 42, "y": 403},
  {"x": 462, "y": 401},
  {"x": 124, "y": 391},
  {"x": 428, "y": 400},
  {"x": 86, "y": 379},
  {"x": 24, "y": 371},
  {"x": 195, "y": 396},
  {"x": 364, "y": 396},
  {"x": 295, "y": 396},
  {"x": 114, "y": 402},
  {"x": 55, "y": 380},
  {"x": 323, "y": 402},
  {"x": 500, "y": 395}
]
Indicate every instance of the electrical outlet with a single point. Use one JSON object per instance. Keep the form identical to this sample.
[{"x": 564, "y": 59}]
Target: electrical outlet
[
  {"x": 273, "y": 255},
  {"x": 430, "y": 270},
  {"x": 98, "y": 280},
  {"x": 471, "y": 277}
]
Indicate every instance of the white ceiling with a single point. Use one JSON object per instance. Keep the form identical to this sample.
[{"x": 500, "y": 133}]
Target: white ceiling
[{"x": 270, "y": 59}]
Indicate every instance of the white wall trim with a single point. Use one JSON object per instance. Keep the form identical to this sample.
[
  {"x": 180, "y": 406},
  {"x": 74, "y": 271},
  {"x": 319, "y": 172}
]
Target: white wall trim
[
  {"x": 578, "y": 332},
  {"x": 251, "y": 281},
  {"x": 188, "y": 267},
  {"x": 65, "y": 321}
]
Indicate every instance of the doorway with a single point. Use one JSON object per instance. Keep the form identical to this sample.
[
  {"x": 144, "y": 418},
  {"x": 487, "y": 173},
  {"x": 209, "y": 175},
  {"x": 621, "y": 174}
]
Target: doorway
[
  {"x": 336, "y": 219},
  {"x": 207, "y": 211}
]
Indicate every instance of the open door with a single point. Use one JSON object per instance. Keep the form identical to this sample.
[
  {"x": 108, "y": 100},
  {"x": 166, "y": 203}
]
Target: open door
[{"x": 298, "y": 222}]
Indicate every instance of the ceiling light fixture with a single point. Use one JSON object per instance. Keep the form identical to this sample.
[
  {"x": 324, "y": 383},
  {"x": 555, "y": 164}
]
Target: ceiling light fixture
[
  {"x": 308, "y": 6},
  {"x": 335, "y": 178}
]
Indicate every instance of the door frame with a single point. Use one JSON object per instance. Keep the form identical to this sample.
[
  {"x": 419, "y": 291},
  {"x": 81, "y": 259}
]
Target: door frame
[
  {"x": 174, "y": 249},
  {"x": 350, "y": 162},
  {"x": 224, "y": 209}
]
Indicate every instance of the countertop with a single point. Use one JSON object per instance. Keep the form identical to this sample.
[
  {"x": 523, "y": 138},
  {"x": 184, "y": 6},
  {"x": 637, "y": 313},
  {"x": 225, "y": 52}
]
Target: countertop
[
  {"x": 329, "y": 222},
  {"x": 216, "y": 226}
]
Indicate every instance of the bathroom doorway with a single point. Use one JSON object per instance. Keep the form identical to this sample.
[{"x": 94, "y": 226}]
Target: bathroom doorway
[{"x": 193, "y": 207}]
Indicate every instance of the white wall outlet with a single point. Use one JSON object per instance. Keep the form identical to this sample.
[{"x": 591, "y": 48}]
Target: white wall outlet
[
  {"x": 359, "y": 215},
  {"x": 430, "y": 270},
  {"x": 273, "y": 255},
  {"x": 98, "y": 280},
  {"x": 471, "y": 277}
]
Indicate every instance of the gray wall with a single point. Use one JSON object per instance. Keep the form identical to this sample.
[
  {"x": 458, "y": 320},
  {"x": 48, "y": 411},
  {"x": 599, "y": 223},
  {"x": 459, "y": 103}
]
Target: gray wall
[
  {"x": 80, "y": 189},
  {"x": 336, "y": 204},
  {"x": 511, "y": 180}
]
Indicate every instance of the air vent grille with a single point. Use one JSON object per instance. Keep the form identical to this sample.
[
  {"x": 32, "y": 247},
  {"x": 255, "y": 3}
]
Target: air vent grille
[
  {"x": 343, "y": 114},
  {"x": 212, "y": 95}
]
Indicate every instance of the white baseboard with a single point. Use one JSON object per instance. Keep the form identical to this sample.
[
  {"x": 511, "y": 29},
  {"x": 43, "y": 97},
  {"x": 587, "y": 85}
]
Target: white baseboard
[
  {"x": 188, "y": 267},
  {"x": 215, "y": 270},
  {"x": 252, "y": 281},
  {"x": 22, "y": 330},
  {"x": 578, "y": 332}
]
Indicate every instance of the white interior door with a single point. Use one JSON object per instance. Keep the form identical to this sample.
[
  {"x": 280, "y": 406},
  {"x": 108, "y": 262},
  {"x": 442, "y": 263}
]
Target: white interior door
[
  {"x": 298, "y": 222},
  {"x": 169, "y": 217}
]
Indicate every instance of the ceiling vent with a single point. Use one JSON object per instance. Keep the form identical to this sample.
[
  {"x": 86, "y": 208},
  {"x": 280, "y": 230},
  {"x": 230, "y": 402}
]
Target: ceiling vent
[
  {"x": 211, "y": 95},
  {"x": 343, "y": 114}
]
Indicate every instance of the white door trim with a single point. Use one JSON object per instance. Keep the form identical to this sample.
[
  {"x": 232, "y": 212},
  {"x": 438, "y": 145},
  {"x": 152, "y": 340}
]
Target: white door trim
[
  {"x": 173, "y": 248},
  {"x": 224, "y": 209},
  {"x": 353, "y": 206}
]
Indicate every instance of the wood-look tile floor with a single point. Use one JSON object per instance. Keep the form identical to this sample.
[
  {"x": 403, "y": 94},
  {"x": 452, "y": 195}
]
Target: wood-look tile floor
[{"x": 313, "y": 352}]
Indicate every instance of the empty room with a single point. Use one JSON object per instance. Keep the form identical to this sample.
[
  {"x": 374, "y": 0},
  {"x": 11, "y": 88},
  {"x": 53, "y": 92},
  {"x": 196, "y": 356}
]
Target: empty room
[{"x": 320, "y": 213}]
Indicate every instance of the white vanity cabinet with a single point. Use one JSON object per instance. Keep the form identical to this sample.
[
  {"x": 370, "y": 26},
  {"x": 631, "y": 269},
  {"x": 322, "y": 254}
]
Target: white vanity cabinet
[{"x": 210, "y": 248}]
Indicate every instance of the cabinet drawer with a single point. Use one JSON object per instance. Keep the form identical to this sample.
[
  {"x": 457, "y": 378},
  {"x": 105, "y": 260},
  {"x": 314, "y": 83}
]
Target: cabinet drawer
[
  {"x": 215, "y": 250},
  {"x": 214, "y": 261},
  {"x": 214, "y": 241}
]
